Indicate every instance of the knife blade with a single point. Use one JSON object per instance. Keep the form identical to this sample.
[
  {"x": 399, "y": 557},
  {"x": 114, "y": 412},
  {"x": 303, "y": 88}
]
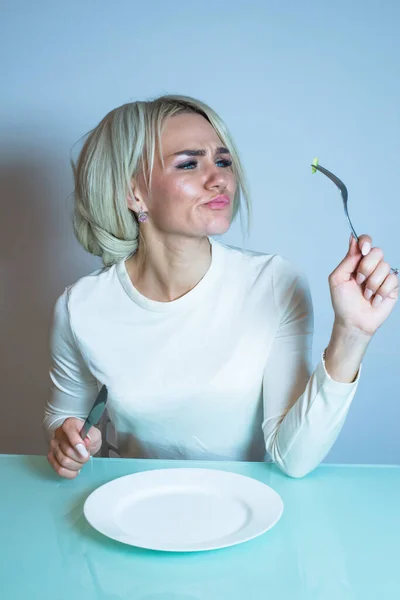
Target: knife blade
[{"x": 96, "y": 411}]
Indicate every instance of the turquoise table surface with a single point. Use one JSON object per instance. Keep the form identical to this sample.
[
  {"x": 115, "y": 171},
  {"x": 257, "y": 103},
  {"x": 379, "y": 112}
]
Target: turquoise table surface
[{"x": 338, "y": 539}]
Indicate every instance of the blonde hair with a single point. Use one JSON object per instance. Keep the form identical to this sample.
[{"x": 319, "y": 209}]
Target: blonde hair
[{"x": 122, "y": 145}]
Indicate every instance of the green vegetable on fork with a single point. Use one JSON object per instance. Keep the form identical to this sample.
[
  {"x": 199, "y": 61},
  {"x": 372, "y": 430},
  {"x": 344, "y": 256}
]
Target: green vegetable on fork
[{"x": 314, "y": 165}]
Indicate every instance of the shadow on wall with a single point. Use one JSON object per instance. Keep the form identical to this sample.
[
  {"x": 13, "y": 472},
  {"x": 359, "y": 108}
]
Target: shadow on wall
[{"x": 38, "y": 258}]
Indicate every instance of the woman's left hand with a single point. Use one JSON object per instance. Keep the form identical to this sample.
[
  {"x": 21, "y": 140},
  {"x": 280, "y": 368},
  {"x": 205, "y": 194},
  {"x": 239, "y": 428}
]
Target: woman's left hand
[{"x": 363, "y": 290}]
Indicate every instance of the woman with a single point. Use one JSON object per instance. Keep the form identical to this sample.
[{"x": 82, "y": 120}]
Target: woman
[{"x": 205, "y": 349}]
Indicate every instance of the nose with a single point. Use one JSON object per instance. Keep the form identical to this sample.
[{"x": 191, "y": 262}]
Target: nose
[{"x": 216, "y": 179}]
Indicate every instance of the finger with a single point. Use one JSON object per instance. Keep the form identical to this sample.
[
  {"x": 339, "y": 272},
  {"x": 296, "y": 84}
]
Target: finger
[
  {"x": 376, "y": 279},
  {"x": 93, "y": 440},
  {"x": 368, "y": 265},
  {"x": 71, "y": 452},
  {"x": 388, "y": 289},
  {"x": 348, "y": 266},
  {"x": 59, "y": 469},
  {"x": 65, "y": 461},
  {"x": 365, "y": 244},
  {"x": 71, "y": 428},
  {"x": 90, "y": 437}
]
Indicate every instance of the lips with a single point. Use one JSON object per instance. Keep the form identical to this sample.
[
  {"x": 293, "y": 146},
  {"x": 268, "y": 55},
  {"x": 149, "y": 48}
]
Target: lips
[{"x": 219, "y": 202}]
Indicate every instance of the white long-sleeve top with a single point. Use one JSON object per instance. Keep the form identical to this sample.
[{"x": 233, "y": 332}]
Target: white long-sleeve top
[{"x": 222, "y": 373}]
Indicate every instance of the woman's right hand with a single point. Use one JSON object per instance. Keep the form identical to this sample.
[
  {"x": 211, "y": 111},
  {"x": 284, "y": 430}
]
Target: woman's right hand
[{"x": 68, "y": 452}]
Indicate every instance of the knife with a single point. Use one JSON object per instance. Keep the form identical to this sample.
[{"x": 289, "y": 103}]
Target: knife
[{"x": 96, "y": 412}]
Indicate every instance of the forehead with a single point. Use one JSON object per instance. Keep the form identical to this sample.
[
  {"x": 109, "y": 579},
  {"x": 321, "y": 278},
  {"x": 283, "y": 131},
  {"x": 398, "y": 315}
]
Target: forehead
[{"x": 188, "y": 130}]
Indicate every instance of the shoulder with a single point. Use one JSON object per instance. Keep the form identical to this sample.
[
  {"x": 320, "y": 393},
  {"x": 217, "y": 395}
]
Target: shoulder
[
  {"x": 267, "y": 277},
  {"x": 261, "y": 264},
  {"x": 86, "y": 294}
]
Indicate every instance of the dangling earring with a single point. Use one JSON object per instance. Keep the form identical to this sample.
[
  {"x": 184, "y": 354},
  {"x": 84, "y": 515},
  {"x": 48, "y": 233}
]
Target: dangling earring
[{"x": 142, "y": 216}]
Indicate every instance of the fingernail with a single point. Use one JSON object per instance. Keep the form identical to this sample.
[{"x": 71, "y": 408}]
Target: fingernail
[
  {"x": 82, "y": 450},
  {"x": 360, "y": 278},
  {"x": 368, "y": 294},
  {"x": 365, "y": 248},
  {"x": 377, "y": 300}
]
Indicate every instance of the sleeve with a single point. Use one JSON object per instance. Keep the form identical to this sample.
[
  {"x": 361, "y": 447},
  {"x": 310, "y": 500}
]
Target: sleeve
[
  {"x": 73, "y": 388},
  {"x": 303, "y": 411}
]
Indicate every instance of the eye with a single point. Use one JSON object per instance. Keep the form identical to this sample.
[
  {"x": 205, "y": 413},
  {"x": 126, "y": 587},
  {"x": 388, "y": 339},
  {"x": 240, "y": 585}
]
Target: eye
[
  {"x": 225, "y": 162},
  {"x": 187, "y": 165},
  {"x": 193, "y": 163}
]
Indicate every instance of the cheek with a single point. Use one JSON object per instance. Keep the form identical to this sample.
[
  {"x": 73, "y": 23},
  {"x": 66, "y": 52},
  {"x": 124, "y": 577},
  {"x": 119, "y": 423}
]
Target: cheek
[
  {"x": 185, "y": 189},
  {"x": 174, "y": 196},
  {"x": 175, "y": 192},
  {"x": 171, "y": 202},
  {"x": 232, "y": 183}
]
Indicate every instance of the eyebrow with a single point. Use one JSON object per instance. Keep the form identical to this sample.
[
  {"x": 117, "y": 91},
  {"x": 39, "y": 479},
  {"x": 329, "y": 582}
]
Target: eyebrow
[{"x": 191, "y": 152}]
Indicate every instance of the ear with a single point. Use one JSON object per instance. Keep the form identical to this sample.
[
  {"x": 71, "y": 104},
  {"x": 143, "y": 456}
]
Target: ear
[
  {"x": 135, "y": 199},
  {"x": 132, "y": 203}
]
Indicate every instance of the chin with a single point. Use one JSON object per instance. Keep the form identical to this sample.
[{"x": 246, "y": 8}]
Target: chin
[
  {"x": 217, "y": 226},
  {"x": 218, "y": 230}
]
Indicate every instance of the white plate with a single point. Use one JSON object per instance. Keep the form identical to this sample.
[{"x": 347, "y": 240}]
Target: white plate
[{"x": 183, "y": 510}]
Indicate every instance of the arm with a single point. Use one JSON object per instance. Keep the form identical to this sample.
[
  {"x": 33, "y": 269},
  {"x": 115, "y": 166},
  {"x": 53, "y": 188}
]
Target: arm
[
  {"x": 303, "y": 411},
  {"x": 345, "y": 353},
  {"x": 74, "y": 388}
]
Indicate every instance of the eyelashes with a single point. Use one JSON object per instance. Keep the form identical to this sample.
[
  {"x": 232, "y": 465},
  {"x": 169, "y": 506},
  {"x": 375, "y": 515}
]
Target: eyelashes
[{"x": 189, "y": 165}]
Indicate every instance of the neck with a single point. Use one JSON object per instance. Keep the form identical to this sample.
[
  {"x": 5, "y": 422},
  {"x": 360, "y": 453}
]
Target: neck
[{"x": 166, "y": 269}]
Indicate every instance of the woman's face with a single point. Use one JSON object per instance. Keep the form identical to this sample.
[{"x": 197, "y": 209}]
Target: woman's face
[{"x": 197, "y": 169}]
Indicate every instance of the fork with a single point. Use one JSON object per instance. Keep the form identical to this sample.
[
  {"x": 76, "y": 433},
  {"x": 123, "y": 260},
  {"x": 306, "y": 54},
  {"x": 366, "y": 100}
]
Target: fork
[{"x": 316, "y": 167}]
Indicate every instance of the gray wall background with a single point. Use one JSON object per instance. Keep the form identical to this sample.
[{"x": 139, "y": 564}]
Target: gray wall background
[{"x": 292, "y": 80}]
